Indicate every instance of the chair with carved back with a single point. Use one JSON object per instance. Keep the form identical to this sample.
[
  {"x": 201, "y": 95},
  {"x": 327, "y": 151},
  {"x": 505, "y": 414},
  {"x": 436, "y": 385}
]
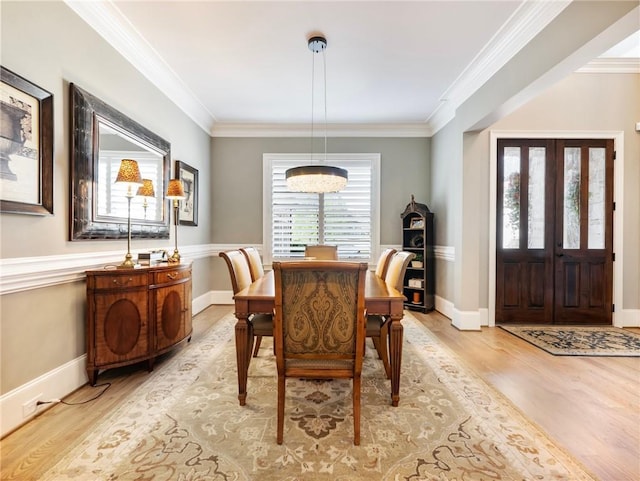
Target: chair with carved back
[
  {"x": 257, "y": 271},
  {"x": 383, "y": 262},
  {"x": 240, "y": 273},
  {"x": 378, "y": 326},
  {"x": 322, "y": 252},
  {"x": 319, "y": 326}
]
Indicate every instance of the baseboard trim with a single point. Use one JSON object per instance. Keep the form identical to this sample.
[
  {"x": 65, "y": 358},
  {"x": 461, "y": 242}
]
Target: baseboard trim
[
  {"x": 467, "y": 320},
  {"x": 627, "y": 318},
  {"x": 56, "y": 384}
]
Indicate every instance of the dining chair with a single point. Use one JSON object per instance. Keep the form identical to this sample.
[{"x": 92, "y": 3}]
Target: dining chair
[
  {"x": 322, "y": 252},
  {"x": 255, "y": 262},
  {"x": 319, "y": 326},
  {"x": 383, "y": 262},
  {"x": 257, "y": 271},
  {"x": 241, "y": 277},
  {"x": 378, "y": 326}
]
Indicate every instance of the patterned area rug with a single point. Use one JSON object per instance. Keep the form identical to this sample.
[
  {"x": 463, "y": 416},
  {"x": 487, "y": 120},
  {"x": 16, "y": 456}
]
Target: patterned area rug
[
  {"x": 580, "y": 341},
  {"x": 184, "y": 423}
]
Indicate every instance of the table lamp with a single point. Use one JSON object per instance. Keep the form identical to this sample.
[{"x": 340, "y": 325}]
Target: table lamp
[
  {"x": 129, "y": 174},
  {"x": 175, "y": 192}
]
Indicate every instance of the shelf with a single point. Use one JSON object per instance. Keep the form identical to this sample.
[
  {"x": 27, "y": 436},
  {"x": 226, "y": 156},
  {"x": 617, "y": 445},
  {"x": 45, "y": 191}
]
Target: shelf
[{"x": 417, "y": 237}]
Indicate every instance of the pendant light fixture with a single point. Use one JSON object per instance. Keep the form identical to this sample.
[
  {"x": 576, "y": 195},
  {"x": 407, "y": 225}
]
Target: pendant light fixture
[{"x": 317, "y": 178}]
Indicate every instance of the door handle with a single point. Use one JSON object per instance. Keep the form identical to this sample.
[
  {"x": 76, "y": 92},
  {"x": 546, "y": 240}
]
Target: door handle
[{"x": 559, "y": 255}]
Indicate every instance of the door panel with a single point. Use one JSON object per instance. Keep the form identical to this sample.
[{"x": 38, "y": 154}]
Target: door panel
[
  {"x": 554, "y": 259},
  {"x": 524, "y": 264},
  {"x": 584, "y": 243}
]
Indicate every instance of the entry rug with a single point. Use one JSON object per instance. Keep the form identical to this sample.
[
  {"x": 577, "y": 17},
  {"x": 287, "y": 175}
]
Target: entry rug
[
  {"x": 580, "y": 341},
  {"x": 184, "y": 424}
]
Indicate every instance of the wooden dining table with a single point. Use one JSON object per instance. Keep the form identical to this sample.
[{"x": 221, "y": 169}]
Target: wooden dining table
[{"x": 259, "y": 298}]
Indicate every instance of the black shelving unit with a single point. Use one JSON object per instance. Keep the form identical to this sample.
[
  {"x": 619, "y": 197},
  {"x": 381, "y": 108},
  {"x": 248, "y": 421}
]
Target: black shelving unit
[{"x": 417, "y": 237}]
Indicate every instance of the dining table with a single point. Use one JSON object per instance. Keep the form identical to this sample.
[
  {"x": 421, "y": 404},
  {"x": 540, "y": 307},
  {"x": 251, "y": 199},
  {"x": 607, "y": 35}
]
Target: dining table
[{"x": 259, "y": 298}]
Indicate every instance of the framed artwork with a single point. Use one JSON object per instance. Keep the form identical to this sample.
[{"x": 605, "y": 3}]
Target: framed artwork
[
  {"x": 188, "y": 209},
  {"x": 26, "y": 146},
  {"x": 417, "y": 223}
]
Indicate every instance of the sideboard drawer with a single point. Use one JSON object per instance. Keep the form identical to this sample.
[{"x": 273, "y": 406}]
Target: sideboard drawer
[
  {"x": 171, "y": 275},
  {"x": 115, "y": 281}
]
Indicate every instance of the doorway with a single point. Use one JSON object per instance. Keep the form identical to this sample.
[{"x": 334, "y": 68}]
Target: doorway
[{"x": 554, "y": 231}]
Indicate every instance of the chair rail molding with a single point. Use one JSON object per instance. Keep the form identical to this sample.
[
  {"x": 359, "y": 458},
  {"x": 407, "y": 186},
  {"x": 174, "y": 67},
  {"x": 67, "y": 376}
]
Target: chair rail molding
[{"x": 25, "y": 273}]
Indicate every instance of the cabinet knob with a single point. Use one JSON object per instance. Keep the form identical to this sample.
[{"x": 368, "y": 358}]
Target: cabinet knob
[
  {"x": 172, "y": 275},
  {"x": 122, "y": 283}
]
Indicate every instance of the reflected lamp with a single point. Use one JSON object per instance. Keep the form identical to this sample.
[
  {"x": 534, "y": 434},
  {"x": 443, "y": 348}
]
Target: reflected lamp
[{"x": 129, "y": 175}]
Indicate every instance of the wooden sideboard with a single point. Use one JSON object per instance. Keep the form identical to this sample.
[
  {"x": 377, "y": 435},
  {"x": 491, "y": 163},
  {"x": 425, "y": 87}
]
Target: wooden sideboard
[{"x": 134, "y": 315}]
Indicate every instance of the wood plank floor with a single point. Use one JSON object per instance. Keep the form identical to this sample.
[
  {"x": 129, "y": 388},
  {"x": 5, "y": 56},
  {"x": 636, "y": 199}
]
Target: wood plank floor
[{"x": 588, "y": 405}]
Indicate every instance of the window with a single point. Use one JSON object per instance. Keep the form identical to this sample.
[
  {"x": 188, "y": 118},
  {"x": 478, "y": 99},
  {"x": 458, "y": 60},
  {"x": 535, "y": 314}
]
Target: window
[{"x": 348, "y": 219}]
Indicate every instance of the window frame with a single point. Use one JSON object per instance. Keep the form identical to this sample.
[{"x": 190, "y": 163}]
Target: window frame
[{"x": 339, "y": 160}]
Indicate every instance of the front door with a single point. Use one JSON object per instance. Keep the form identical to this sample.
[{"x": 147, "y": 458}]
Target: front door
[{"x": 554, "y": 259}]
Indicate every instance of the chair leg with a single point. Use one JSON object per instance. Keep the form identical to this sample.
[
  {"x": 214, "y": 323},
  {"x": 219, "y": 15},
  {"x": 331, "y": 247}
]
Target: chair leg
[
  {"x": 257, "y": 346},
  {"x": 280, "y": 415},
  {"x": 383, "y": 348},
  {"x": 356, "y": 410}
]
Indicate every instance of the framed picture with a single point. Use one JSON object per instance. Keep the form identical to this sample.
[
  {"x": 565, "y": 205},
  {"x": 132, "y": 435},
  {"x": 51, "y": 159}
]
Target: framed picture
[
  {"x": 417, "y": 223},
  {"x": 188, "y": 210},
  {"x": 26, "y": 146}
]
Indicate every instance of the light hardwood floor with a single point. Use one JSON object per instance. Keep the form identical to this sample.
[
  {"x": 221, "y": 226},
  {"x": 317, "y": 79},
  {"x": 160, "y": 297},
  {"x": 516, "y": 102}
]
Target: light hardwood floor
[{"x": 588, "y": 405}]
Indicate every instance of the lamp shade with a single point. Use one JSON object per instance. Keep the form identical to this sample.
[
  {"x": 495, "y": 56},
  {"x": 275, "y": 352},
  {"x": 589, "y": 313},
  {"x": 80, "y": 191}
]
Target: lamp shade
[
  {"x": 175, "y": 189},
  {"x": 316, "y": 178},
  {"x": 146, "y": 189},
  {"x": 129, "y": 172}
]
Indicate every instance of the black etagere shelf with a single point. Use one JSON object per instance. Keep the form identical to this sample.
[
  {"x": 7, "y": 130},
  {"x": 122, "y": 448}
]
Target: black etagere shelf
[{"x": 417, "y": 237}]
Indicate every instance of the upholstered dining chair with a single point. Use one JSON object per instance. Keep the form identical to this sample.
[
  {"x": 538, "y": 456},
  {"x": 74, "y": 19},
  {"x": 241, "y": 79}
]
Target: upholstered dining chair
[
  {"x": 319, "y": 326},
  {"x": 257, "y": 271},
  {"x": 322, "y": 252},
  {"x": 255, "y": 262},
  {"x": 240, "y": 273},
  {"x": 383, "y": 262},
  {"x": 378, "y": 326}
]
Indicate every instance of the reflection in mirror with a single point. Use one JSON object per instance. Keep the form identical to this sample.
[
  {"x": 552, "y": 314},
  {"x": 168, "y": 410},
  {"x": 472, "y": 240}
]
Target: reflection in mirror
[
  {"x": 101, "y": 138},
  {"x": 115, "y": 145}
]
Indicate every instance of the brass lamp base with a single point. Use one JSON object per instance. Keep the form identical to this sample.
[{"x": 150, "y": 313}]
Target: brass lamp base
[{"x": 128, "y": 262}]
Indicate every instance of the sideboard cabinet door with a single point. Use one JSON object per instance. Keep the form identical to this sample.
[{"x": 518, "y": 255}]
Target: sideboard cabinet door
[{"x": 172, "y": 300}]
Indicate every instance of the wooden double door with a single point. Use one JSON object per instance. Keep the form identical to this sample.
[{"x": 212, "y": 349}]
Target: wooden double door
[{"x": 554, "y": 239}]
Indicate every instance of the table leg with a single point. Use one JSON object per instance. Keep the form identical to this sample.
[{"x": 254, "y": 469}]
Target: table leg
[
  {"x": 395, "y": 357},
  {"x": 244, "y": 343}
]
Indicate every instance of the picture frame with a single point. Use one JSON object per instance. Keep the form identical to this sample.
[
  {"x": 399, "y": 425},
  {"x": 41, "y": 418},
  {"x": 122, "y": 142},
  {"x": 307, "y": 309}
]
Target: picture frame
[
  {"x": 188, "y": 208},
  {"x": 417, "y": 223},
  {"x": 26, "y": 146}
]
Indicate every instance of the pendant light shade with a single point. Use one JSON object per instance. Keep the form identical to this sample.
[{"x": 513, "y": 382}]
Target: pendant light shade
[{"x": 317, "y": 178}]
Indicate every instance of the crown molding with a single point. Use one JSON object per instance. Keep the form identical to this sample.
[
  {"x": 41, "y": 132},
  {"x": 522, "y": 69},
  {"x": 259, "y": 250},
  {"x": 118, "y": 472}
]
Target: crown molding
[
  {"x": 526, "y": 22},
  {"x": 107, "y": 20},
  {"x": 333, "y": 130},
  {"x": 612, "y": 65}
]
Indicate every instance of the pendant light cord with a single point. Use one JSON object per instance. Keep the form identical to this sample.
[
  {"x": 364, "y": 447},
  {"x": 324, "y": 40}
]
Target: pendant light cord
[
  {"x": 324, "y": 66},
  {"x": 313, "y": 76}
]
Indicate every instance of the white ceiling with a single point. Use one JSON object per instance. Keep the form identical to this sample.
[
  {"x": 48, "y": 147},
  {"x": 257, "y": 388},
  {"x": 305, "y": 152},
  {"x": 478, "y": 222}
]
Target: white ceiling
[{"x": 232, "y": 63}]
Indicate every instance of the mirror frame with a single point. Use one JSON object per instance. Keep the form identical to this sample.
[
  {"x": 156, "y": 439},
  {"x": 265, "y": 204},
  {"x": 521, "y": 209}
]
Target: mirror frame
[{"x": 86, "y": 111}]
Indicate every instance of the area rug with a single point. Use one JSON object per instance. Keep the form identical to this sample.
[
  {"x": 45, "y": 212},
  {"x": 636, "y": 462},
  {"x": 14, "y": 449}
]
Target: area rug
[
  {"x": 580, "y": 341},
  {"x": 184, "y": 423}
]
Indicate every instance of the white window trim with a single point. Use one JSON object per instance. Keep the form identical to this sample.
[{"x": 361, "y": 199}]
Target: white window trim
[{"x": 267, "y": 163}]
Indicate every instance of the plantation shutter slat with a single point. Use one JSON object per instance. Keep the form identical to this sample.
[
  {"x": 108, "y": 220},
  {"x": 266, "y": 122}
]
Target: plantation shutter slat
[{"x": 346, "y": 215}]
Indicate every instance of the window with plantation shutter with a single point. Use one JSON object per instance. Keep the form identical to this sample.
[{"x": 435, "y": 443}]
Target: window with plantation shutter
[{"x": 347, "y": 219}]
